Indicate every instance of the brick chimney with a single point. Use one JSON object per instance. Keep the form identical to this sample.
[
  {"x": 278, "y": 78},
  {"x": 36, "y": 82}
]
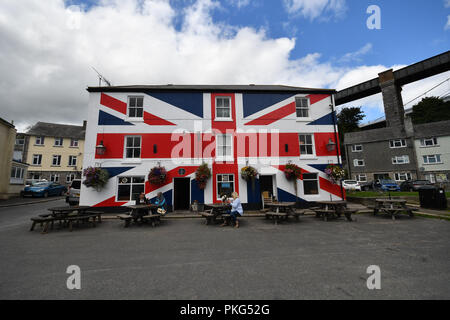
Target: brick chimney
[{"x": 392, "y": 99}]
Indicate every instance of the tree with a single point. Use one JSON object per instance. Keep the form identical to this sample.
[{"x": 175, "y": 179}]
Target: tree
[
  {"x": 348, "y": 121},
  {"x": 431, "y": 109}
]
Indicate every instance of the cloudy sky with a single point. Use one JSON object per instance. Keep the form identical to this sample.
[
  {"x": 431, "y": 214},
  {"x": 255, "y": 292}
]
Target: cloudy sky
[{"x": 48, "y": 47}]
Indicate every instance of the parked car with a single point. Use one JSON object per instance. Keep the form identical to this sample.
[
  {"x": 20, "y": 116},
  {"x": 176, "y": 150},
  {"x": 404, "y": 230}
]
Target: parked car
[
  {"x": 351, "y": 185},
  {"x": 415, "y": 185},
  {"x": 381, "y": 184},
  {"x": 30, "y": 182},
  {"x": 73, "y": 194},
  {"x": 44, "y": 189}
]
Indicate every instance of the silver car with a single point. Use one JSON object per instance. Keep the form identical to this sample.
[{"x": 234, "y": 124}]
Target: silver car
[{"x": 73, "y": 194}]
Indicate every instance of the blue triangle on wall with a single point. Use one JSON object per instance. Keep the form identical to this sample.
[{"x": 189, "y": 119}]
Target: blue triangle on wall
[
  {"x": 255, "y": 102},
  {"x": 115, "y": 171},
  {"x": 106, "y": 119},
  {"x": 325, "y": 120},
  {"x": 188, "y": 101}
]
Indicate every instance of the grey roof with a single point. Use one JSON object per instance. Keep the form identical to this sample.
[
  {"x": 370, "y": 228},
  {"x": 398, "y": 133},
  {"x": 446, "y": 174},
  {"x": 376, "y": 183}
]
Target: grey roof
[
  {"x": 374, "y": 135},
  {"x": 6, "y": 123},
  {"x": 57, "y": 130},
  {"x": 209, "y": 88},
  {"x": 434, "y": 129}
]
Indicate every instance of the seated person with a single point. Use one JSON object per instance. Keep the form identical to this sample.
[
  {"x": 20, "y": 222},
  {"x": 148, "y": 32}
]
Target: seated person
[
  {"x": 139, "y": 213},
  {"x": 236, "y": 210},
  {"x": 161, "y": 203}
]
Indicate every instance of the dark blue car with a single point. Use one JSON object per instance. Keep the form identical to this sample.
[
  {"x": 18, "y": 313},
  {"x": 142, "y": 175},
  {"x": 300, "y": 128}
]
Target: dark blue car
[
  {"x": 388, "y": 185},
  {"x": 44, "y": 189}
]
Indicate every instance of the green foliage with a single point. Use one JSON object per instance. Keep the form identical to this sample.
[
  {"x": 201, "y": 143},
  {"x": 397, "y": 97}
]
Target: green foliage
[
  {"x": 348, "y": 121},
  {"x": 431, "y": 109}
]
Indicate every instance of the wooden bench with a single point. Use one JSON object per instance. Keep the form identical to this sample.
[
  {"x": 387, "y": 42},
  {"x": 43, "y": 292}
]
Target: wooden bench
[
  {"x": 325, "y": 214},
  {"x": 277, "y": 216},
  {"x": 43, "y": 221},
  {"x": 127, "y": 218},
  {"x": 296, "y": 213},
  {"x": 155, "y": 219},
  {"x": 86, "y": 218},
  {"x": 97, "y": 213},
  {"x": 348, "y": 213},
  {"x": 209, "y": 216}
]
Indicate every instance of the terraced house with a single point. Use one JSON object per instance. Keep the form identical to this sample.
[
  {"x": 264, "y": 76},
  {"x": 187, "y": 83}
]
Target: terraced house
[
  {"x": 228, "y": 127},
  {"x": 54, "y": 151}
]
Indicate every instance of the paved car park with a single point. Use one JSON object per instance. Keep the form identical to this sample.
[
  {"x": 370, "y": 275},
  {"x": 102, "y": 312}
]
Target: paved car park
[{"x": 185, "y": 259}]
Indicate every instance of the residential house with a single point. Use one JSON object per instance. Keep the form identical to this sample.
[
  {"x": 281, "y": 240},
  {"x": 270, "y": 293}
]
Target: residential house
[{"x": 228, "y": 127}]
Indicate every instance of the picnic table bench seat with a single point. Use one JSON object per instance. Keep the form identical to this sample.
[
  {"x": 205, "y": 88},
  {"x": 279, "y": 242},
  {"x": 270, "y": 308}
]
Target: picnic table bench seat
[
  {"x": 276, "y": 216},
  {"x": 325, "y": 214},
  {"x": 208, "y": 215},
  {"x": 155, "y": 219},
  {"x": 125, "y": 217},
  {"x": 97, "y": 213},
  {"x": 43, "y": 221},
  {"x": 86, "y": 218}
]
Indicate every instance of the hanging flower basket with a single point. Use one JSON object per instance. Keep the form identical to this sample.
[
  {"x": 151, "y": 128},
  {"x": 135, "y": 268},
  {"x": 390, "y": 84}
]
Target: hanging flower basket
[
  {"x": 292, "y": 171},
  {"x": 202, "y": 175},
  {"x": 157, "y": 176},
  {"x": 335, "y": 172},
  {"x": 96, "y": 178},
  {"x": 249, "y": 173}
]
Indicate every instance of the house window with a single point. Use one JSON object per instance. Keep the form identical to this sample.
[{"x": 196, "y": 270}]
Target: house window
[
  {"x": 74, "y": 143},
  {"x": 225, "y": 185},
  {"x": 223, "y": 108},
  {"x": 402, "y": 176},
  {"x": 133, "y": 147},
  {"x": 56, "y": 162},
  {"x": 37, "y": 159},
  {"x": 400, "y": 143},
  {"x": 400, "y": 160},
  {"x": 310, "y": 184},
  {"x": 431, "y": 142},
  {"x": 20, "y": 142},
  {"x": 54, "y": 177},
  {"x": 130, "y": 188},
  {"x": 72, "y": 161},
  {"x": 35, "y": 176},
  {"x": 306, "y": 144},
  {"x": 359, "y": 163},
  {"x": 59, "y": 142},
  {"x": 136, "y": 107},
  {"x": 357, "y": 148},
  {"x": 430, "y": 177},
  {"x": 432, "y": 159},
  {"x": 361, "y": 177},
  {"x": 17, "y": 174},
  {"x": 224, "y": 147},
  {"x": 70, "y": 177},
  {"x": 302, "y": 107},
  {"x": 39, "y": 141}
]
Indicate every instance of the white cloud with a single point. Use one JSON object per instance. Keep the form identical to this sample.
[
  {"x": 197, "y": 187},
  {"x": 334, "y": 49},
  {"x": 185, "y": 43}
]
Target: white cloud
[
  {"x": 47, "y": 51},
  {"x": 356, "y": 56},
  {"x": 447, "y": 3},
  {"x": 239, "y": 3},
  {"x": 447, "y": 26},
  {"x": 313, "y": 9}
]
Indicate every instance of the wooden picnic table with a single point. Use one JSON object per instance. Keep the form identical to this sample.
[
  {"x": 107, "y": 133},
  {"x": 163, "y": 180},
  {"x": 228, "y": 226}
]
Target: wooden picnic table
[
  {"x": 215, "y": 211},
  {"x": 333, "y": 209},
  {"x": 281, "y": 211},
  {"x": 392, "y": 207},
  {"x": 65, "y": 211},
  {"x": 65, "y": 216},
  {"x": 153, "y": 218}
]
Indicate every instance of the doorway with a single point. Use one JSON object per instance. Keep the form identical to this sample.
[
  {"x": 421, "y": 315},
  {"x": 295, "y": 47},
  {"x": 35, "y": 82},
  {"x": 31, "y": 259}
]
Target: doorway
[
  {"x": 181, "y": 193},
  {"x": 266, "y": 183}
]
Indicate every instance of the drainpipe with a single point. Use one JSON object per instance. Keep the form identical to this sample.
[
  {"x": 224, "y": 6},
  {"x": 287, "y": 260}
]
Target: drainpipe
[{"x": 336, "y": 138}]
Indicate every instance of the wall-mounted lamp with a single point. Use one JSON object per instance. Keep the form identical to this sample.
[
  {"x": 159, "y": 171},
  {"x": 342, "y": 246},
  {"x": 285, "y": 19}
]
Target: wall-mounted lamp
[
  {"x": 331, "y": 146},
  {"x": 100, "y": 149}
]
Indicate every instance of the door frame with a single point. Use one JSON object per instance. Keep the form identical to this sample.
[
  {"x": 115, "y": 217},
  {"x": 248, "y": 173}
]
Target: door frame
[{"x": 173, "y": 193}]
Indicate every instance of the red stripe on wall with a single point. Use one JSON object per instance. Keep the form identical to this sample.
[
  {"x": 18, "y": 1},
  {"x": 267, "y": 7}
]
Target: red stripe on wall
[
  {"x": 113, "y": 103},
  {"x": 111, "y": 202},
  {"x": 273, "y": 116},
  {"x": 321, "y": 140},
  {"x": 153, "y": 120},
  {"x": 174, "y": 173},
  {"x": 314, "y": 98},
  {"x": 330, "y": 187}
]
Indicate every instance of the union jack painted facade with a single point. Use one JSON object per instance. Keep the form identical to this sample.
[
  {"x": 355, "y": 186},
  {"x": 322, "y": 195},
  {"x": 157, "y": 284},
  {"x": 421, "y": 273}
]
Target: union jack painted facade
[{"x": 228, "y": 127}]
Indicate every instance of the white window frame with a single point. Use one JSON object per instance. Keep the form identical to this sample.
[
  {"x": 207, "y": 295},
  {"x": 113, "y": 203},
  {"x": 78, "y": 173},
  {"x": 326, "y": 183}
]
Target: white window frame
[
  {"x": 398, "y": 176},
  {"x": 355, "y": 149},
  {"x": 227, "y": 158},
  {"x": 17, "y": 175},
  {"x": 130, "y": 118},
  {"x": 403, "y": 143},
  {"x": 39, "y": 141},
  {"x": 359, "y": 176},
  {"x": 70, "y": 177},
  {"x": 400, "y": 159},
  {"x": 71, "y": 160},
  {"x": 20, "y": 142},
  {"x": 134, "y": 147},
  {"x": 217, "y": 118},
  {"x": 58, "y": 157},
  {"x": 301, "y": 107},
  {"x": 355, "y": 163},
  {"x": 426, "y": 159},
  {"x": 54, "y": 177},
  {"x": 434, "y": 142},
  {"x": 59, "y": 142},
  {"x": 74, "y": 143},
  {"x": 313, "y": 143},
  {"x": 217, "y": 183},
  {"x": 39, "y": 158},
  {"x": 131, "y": 183},
  {"x": 317, "y": 182}
]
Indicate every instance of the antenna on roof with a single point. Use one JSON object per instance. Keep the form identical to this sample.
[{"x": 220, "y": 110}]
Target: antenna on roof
[{"x": 102, "y": 78}]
